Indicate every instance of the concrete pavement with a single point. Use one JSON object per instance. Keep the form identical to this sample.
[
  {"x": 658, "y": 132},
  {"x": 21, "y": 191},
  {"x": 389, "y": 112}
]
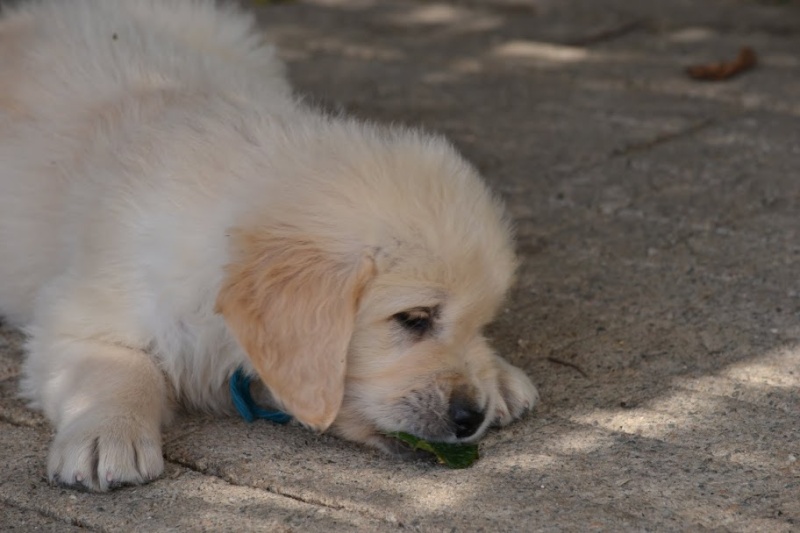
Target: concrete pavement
[{"x": 657, "y": 306}]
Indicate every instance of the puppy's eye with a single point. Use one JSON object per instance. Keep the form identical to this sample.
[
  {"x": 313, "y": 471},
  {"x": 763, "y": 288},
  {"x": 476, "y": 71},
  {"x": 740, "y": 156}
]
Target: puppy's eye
[{"x": 418, "y": 321}]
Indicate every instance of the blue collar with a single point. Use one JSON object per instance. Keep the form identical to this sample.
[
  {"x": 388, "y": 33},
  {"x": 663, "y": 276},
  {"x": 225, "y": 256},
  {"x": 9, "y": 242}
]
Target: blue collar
[{"x": 243, "y": 401}]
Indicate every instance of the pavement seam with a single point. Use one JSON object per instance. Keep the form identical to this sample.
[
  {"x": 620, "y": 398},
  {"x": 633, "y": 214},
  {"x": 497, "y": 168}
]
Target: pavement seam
[
  {"x": 76, "y": 522},
  {"x": 277, "y": 492},
  {"x": 14, "y": 422}
]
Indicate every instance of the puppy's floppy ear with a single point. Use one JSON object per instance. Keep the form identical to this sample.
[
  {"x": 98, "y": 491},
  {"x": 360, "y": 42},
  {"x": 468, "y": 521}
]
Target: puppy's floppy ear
[{"x": 292, "y": 308}]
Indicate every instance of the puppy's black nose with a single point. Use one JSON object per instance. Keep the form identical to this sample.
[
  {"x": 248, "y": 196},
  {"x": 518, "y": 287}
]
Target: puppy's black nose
[{"x": 465, "y": 416}]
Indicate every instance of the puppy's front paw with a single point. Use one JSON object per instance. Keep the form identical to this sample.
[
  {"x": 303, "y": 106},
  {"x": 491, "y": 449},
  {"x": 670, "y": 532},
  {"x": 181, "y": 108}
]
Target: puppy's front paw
[
  {"x": 101, "y": 453},
  {"x": 516, "y": 393}
]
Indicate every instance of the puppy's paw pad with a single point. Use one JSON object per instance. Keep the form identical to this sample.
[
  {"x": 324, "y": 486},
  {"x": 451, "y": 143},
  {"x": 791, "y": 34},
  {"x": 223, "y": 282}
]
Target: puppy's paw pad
[
  {"x": 98, "y": 456},
  {"x": 517, "y": 392}
]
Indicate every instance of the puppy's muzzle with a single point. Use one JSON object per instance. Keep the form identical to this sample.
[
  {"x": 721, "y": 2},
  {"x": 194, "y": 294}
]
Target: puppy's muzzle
[{"x": 465, "y": 416}]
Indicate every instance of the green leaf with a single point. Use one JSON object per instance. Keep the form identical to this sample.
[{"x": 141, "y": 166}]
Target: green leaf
[{"x": 450, "y": 455}]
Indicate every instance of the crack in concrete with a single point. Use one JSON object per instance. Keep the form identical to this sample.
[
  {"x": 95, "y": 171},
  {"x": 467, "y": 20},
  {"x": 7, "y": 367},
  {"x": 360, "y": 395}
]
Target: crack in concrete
[
  {"x": 663, "y": 138},
  {"x": 608, "y": 34}
]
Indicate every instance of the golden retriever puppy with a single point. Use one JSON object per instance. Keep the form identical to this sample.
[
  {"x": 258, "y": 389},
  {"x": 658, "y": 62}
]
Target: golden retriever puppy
[{"x": 170, "y": 214}]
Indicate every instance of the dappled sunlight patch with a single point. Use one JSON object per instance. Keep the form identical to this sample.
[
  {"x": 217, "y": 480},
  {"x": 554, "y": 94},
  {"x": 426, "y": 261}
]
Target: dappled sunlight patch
[
  {"x": 436, "y": 14},
  {"x": 432, "y": 495},
  {"x": 353, "y": 50},
  {"x": 455, "y": 71},
  {"x": 345, "y": 4},
  {"x": 537, "y": 50},
  {"x": 692, "y": 34},
  {"x": 765, "y": 382},
  {"x": 780, "y": 458},
  {"x": 754, "y": 393},
  {"x": 528, "y": 461},
  {"x": 581, "y": 441},
  {"x": 642, "y": 421},
  {"x": 439, "y": 497},
  {"x": 657, "y": 418},
  {"x": 780, "y": 368}
]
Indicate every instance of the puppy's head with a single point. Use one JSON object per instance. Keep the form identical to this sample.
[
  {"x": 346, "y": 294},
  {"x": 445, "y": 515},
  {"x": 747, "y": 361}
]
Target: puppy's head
[{"x": 361, "y": 297}]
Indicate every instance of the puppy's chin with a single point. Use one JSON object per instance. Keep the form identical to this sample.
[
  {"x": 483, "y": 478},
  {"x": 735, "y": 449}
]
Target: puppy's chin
[
  {"x": 383, "y": 441},
  {"x": 430, "y": 424}
]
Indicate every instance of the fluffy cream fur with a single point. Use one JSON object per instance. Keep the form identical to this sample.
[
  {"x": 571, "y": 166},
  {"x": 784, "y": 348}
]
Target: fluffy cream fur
[{"x": 168, "y": 213}]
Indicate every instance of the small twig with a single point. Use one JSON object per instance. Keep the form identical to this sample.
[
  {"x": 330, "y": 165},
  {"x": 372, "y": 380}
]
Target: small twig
[
  {"x": 567, "y": 363},
  {"x": 608, "y": 34}
]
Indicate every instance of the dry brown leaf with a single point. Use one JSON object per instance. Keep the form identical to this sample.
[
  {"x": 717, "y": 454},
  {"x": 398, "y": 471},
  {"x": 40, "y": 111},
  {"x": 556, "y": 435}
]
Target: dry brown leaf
[{"x": 724, "y": 69}]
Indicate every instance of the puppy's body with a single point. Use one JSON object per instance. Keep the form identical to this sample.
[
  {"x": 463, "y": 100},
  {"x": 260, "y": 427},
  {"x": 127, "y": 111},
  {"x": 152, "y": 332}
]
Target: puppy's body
[
  {"x": 168, "y": 213},
  {"x": 124, "y": 126}
]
